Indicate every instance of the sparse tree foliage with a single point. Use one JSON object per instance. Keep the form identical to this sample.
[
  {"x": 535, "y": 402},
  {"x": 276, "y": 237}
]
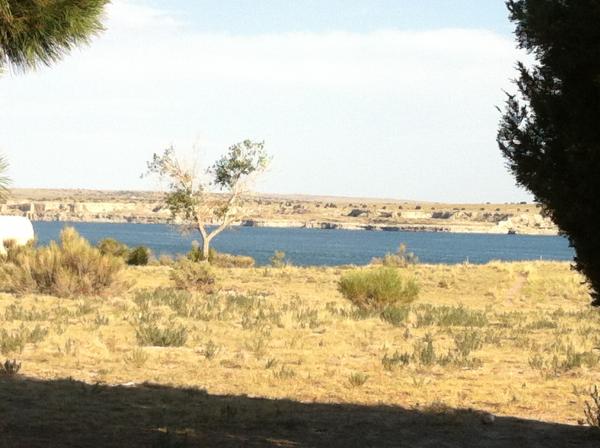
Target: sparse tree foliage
[
  {"x": 40, "y": 32},
  {"x": 210, "y": 206},
  {"x": 550, "y": 132}
]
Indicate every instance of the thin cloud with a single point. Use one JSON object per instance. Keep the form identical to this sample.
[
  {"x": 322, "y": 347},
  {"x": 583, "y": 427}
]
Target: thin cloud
[{"x": 420, "y": 101}]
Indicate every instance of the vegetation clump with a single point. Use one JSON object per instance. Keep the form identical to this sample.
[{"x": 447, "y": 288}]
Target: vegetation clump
[
  {"x": 138, "y": 256},
  {"x": 400, "y": 259},
  {"x": 10, "y": 368},
  {"x": 219, "y": 259},
  {"x": 187, "y": 274},
  {"x": 70, "y": 268},
  {"x": 357, "y": 379},
  {"x": 397, "y": 359},
  {"x": 110, "y": 246},
  {"x": 279, "y": 260},
  {"x": 156, "y": 336},
  {"x": 449, "y": 316},
  {"x": 377, "y": 288},
  {"x": 11, "y": 342},
  {"x": 592, "y": 409},
  {"x": 395, "y": 315}
]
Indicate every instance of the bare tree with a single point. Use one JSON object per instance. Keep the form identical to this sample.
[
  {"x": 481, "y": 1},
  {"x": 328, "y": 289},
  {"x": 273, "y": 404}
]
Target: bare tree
[{"x": 210, "y": 205}]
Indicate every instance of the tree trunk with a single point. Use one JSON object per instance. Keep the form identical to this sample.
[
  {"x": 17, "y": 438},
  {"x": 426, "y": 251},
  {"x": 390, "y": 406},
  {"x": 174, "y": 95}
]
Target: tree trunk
[
  {"x": 205, "y": 240},
  {"x": 205, "y": 247},
  {"x": 207, "y": 237}
]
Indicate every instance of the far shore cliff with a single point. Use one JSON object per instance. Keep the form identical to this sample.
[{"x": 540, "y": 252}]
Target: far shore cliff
[{"x": 289, "y": 211}]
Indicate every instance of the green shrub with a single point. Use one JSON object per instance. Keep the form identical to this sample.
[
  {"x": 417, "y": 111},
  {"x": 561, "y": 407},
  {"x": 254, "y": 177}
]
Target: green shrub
[
  {"x": 190, "y": 275},
  {"x": 15, "y": 341},
  {"x": 397, "y": 359},
  {"x": 232, "y": 261},
  {"x": 165, "y": 260},
  {"x": 357, "y": 379},
  {"x": 278, "y": 260},
  {"x": 400, "y": 259},
  {"x": 424, "y": 352},
  {"x": 17, "y": 312},
  {"x": 219, "y": 259},
  {"x": 467, "y": 342},
  {"x": 138, "y": 256},
  {"x": 153, "y": 335},
  {"x": 12, "y": 342},
  {"x": 210, "y": 350},
  {"x": 196, "y": 254},
  {"x": 138, "y": 358},
  {"x": 177, "y": 300},
  {"x": 71, "y": 268},
  {"x": 377, "y": 288},
  {"x": 395, "y": 315},
  {"x": 285, "y": 373},
  {"x": 449, "y": 316},
  {"x": 110, "y": 246}
]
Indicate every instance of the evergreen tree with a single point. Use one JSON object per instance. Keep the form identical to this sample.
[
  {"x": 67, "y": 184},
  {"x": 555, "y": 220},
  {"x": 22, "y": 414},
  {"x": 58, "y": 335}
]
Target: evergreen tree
[
  {"x": 550, "y": 132},
  {"x": 40, "y": 32}
]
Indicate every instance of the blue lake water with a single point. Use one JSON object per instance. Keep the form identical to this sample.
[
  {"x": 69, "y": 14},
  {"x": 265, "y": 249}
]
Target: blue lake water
[{"x": 326, "y": 247}]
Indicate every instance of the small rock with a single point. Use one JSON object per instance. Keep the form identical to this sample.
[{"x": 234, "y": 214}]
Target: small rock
[{"x": 487, "y": 419}]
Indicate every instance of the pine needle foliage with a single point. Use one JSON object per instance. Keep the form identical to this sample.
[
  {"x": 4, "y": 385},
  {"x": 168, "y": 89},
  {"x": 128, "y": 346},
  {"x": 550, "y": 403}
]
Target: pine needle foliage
[
  {"x": 40, "y": 32},
  {"x": 550, "y": 133}
]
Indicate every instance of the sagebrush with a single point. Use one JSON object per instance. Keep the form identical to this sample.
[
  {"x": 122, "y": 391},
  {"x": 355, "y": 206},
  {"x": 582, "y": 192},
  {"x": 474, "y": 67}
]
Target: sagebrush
[
  {"x": 219, "y": 259},
  {"x": 377, "y": 288},
  {"x": 138, "y": 256},
  {"x": 400, "y": 259},
  {"x": 69, "y": 268},
  {"x": 190, "y": 275}
]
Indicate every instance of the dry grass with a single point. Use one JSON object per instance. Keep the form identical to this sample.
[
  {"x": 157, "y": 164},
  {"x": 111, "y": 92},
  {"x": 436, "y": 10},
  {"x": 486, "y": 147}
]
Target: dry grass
[{"x": 512, "y": 339}]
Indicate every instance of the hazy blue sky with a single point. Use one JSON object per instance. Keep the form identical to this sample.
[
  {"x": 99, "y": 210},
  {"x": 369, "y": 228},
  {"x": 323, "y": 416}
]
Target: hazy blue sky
[
  {"x": 283, "y": 16},
  {"x": 384, "y": 98}
]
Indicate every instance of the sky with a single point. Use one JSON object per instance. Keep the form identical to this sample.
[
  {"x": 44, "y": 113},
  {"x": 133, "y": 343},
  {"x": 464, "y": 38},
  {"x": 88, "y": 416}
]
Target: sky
[{"x": 367, "y": 98}]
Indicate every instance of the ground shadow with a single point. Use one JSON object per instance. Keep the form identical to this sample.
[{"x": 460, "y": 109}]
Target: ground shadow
[{"x": 68, "y": 413}]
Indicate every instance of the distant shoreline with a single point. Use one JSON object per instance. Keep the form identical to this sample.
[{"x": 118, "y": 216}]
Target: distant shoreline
[
  {"x": 288, "y": 211},
  {"x": 323, "y": 226}
]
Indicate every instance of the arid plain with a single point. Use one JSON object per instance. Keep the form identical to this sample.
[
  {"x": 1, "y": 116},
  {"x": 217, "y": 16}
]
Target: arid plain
[{"x": 492, "y": 355}]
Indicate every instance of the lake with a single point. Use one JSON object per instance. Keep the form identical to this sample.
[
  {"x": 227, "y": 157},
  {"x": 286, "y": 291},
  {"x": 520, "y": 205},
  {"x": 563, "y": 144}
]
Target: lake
[{"x": 325, "y": 247}]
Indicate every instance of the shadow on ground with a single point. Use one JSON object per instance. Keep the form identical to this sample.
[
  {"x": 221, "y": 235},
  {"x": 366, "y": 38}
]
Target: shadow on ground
[{"x": 36, "y": 413}]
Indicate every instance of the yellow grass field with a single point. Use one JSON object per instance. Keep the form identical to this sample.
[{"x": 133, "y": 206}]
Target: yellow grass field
[{"x": 277, "y": 357}]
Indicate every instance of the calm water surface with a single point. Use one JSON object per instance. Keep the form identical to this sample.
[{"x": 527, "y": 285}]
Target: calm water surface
[{"x": 326, "y": 247}]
